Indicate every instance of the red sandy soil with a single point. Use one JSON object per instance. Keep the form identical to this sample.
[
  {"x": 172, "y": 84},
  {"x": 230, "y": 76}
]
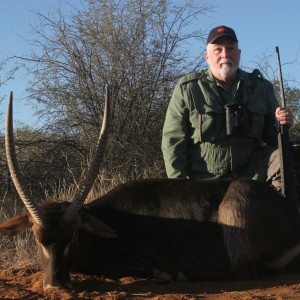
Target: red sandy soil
[{"x": 27, "y": 284}]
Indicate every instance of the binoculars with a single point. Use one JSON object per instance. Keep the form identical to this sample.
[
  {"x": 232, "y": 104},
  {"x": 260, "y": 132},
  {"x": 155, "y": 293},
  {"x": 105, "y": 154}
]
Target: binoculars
[{"x": 236, "y": 117}]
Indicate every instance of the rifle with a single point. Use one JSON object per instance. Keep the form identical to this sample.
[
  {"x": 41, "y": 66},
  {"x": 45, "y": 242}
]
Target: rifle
[{"x": 286, "y": 160}]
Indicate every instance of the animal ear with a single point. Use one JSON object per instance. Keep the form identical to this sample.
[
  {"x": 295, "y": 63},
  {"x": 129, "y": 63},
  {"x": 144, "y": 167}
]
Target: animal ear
[
  {"x": 96, "y": 226},
  {"x": 16, "y": 225}
]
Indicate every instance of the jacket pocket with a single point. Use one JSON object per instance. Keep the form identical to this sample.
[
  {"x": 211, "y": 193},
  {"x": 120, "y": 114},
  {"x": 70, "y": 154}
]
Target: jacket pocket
[
  {"x": 255, "y": 125},
  {"x": 211, "y": 126}
]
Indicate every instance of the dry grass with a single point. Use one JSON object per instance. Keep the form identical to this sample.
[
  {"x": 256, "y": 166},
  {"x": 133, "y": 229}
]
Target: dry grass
[{"x": 20, "y": 250}]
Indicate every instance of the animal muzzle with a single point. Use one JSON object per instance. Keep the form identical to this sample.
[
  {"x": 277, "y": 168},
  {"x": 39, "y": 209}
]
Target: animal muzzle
[{"x": 67, "y": 285}]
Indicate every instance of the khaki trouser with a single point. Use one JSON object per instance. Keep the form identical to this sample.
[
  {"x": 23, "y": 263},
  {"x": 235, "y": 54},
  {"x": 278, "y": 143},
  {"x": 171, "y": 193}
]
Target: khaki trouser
[
  {"x": 274, "y": 176},
  {"x": 273, "y": 169}
]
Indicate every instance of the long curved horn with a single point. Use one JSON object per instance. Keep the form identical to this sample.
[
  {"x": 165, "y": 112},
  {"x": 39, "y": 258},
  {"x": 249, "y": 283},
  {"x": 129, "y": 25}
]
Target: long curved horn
[
  {"x": 13, "y": 166},
  {"x": 85, "y": 187}
]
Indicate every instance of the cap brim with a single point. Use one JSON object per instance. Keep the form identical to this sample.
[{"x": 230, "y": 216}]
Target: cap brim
[{"x": 233, "y": 38}]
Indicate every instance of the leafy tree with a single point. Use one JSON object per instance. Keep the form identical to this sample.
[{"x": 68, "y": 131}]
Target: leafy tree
[{"x": 140, "y": 48}]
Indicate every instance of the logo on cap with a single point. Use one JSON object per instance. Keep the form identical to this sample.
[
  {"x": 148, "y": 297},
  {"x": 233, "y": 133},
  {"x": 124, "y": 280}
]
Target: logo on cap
[{"x": 221, "y": 29}]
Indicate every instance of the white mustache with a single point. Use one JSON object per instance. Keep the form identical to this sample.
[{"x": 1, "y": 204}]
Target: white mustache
[{"x": 226, "y": 61}]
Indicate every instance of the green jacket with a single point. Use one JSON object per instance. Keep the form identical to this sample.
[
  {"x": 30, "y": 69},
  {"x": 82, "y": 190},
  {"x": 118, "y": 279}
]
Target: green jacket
[{"x": 195, "y": 143}]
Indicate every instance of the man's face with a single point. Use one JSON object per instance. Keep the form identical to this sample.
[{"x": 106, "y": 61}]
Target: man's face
[{"x": 223, "y": 57}]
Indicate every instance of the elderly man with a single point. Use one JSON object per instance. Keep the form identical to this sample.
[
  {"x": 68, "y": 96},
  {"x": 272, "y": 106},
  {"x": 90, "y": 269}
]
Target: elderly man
[{"x": 221, "y": 122}]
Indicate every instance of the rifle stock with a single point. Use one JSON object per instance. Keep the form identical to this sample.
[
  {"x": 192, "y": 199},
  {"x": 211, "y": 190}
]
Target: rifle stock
[{"x": 288, "y": 188}]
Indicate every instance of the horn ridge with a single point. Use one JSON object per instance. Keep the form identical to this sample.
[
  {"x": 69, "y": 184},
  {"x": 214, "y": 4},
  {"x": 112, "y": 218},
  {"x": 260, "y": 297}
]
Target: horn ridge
[{"x": 14, "y": 169}]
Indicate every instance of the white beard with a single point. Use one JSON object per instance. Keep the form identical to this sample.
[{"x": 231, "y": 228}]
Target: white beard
[{"x": 226, "y": 71}]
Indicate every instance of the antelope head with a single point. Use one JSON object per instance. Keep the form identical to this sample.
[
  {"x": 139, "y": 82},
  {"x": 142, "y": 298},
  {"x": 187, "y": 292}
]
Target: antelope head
[{"x": 55, "y": 225}]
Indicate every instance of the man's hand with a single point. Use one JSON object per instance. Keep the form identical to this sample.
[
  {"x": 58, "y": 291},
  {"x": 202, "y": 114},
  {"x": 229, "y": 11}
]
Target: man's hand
[{"x": 284, "y": 116}]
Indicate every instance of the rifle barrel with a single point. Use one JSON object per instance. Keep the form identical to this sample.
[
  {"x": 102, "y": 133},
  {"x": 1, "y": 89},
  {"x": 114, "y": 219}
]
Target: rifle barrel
[
  {"x": 288, "y": 187},
  {"x": 283, "y": 104}
]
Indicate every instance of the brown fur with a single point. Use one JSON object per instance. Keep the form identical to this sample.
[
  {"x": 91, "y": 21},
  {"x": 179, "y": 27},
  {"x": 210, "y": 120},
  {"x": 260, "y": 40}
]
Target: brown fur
[{"x": 207, "y": 230}]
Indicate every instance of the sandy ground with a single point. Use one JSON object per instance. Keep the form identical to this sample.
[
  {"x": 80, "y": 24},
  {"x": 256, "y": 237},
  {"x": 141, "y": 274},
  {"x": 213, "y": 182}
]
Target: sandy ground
[{"x": 27, "y": 284}]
